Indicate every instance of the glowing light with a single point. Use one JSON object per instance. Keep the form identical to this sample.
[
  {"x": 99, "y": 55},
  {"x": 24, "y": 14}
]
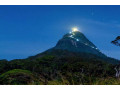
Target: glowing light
[
  {"x": 73, "y": 33},
  {"x": 77, "y": 39},
  {"x": 71, "y": 36},
  {"x": 75, "y": 29}
]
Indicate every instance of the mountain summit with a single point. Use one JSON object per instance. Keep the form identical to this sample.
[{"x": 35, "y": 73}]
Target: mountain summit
[
  {"x": 75, "y": 44},
  {"x": 76, "y": 41}
]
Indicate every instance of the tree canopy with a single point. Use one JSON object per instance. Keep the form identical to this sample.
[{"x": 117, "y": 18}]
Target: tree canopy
[{"x": 116, "y": 41}]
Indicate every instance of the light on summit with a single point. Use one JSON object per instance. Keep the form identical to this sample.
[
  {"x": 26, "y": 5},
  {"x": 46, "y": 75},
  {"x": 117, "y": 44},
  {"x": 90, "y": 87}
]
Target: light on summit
[{"x": 74, "y": 29}]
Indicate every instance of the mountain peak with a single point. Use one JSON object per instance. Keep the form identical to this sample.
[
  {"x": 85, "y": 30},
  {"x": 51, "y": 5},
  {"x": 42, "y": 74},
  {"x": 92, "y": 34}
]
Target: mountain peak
[
  {"x": 79, "y": 37},
  {"x": 76, "y": 41},
  {"x": 75, "y": 44}
]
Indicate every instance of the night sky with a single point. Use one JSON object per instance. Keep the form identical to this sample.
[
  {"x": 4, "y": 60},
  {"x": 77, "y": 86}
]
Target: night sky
[{"x": 29, "y": 30}]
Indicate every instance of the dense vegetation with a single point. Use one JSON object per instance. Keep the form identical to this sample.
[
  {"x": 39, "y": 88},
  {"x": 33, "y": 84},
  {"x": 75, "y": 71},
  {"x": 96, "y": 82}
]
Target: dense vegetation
[
  {"x": 83, "y": 69},
  {"x": 17, "y": 77}
]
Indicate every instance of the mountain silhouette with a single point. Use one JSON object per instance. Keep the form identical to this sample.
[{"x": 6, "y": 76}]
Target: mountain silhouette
[{"x": 75, "y": 44}]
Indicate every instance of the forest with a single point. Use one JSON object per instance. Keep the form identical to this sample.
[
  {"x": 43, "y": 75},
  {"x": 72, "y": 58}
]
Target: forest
[{"x": 84, "y": 69}]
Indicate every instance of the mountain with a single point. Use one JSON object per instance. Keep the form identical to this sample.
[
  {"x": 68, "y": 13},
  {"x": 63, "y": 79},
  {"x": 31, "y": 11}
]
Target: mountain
[{"x": 75, "y": 44}]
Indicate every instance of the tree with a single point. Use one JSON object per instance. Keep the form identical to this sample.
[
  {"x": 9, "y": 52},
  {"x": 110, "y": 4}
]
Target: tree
[
  {"x": 116, "y": 41},
  {"x": 117, "y": 68}
]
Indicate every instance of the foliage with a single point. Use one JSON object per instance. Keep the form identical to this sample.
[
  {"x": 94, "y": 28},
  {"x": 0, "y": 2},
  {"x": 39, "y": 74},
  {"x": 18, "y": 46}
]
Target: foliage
[
  {"x": 18, "y": 76},
  {"x": 77, "y": 69}
]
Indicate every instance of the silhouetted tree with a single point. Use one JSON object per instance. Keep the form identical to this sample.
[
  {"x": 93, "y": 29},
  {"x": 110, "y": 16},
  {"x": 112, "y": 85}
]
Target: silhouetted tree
[
  {"x": 117, "y": 68},
  {"x": 116, "y": 41}
]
